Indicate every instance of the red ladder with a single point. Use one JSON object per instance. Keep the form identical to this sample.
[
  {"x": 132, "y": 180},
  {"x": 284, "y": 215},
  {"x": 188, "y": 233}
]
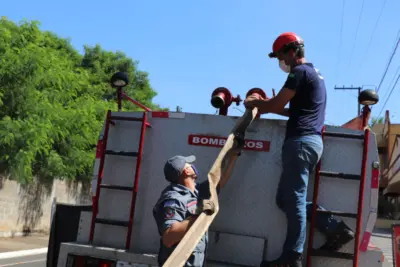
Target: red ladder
[
  {"x": 110, "y": 120},
  {"x": 340, "y": 255}
]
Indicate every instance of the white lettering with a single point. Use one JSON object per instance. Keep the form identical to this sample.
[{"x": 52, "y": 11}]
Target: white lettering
[
  {"x": 214, "y": 141},
  {"x": 220, "y": 141},
  {"x": 204, "y": 140},
  {"x": 259, "y": 145},
  {"x": 251, "y": 144}
]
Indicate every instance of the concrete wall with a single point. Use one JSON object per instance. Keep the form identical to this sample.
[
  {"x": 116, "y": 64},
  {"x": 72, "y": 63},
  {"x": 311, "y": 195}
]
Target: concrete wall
[
  {"x": 28, "y": 207},
  {"x": 385, "y": 223}
]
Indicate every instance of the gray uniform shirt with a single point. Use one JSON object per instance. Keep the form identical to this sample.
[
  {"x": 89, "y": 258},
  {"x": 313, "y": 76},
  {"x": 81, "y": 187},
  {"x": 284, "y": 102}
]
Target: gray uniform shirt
[{"x": 176, "y": 204}]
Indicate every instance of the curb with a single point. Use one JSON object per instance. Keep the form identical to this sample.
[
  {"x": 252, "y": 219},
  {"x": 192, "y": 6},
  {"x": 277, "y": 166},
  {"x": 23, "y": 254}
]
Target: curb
[{"x": 22, "y": 253}]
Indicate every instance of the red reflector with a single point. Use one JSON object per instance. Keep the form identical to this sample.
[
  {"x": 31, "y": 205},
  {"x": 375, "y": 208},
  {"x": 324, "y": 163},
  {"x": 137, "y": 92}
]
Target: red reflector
[
  {"x": 160, "y": 114},
  {"x": 99, "y": 149},
  {"x": 88, "y": 261},
  {"x": 79, "y": 261}
]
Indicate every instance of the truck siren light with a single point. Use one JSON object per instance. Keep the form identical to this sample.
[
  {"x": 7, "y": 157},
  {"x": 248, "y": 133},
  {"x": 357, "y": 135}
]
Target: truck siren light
[
  {"x": 119, "y": 79},
  {"x": 256, "y": 91},
  {"x": 368, "y": 97},
  {"x": 221, "y": 98}
]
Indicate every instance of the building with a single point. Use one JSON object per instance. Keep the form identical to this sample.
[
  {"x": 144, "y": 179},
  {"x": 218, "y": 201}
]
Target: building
[{"x": 388, "y": 142}]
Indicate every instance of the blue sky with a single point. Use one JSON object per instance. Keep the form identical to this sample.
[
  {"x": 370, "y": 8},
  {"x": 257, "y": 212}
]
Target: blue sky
[{"x": 191, "y": 47}]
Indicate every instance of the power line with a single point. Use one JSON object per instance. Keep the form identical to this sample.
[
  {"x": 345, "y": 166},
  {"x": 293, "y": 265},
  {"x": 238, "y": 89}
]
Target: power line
[
  {"x": 387, "y": 99},
  {"x": 390, "y": 60},
  {"x": 392, "y": 81},
  {"x": 372, "y": 36},
  {"x": 340, "y": 39},
  {"x": 355, "y": 38}
]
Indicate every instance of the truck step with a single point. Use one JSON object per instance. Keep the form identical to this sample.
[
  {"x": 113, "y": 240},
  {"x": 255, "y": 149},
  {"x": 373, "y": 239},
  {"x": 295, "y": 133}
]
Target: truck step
[
  {"x": 340, "y": 175},
  {"x": 338, "y": 213},
  {"x": 332, "y": 254},
  {"x": 345, "y": 135},
  {"x": 117, "y": 187},
  {"x": 112, "y": 222},
  {"x": 120, "y": 118},
  {"x": 122, "y": 153}
]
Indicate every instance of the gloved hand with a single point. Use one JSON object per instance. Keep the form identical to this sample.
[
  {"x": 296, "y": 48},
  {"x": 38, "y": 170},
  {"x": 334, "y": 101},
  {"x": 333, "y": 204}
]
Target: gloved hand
[{"x": 206, "y": 205}]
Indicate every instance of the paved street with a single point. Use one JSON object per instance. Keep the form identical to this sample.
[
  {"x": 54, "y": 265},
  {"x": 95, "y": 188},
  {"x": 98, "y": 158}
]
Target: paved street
[
  {"x": 34, "y": 241},
  {"x": 31, "y": 261},
  {"x": 23, "y": 242},
  {"x": 383, "y": 239}
]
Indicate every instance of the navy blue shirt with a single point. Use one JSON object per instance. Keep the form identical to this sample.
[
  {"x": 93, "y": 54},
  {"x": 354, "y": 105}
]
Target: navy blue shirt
[
  {"x": 176, "y": 204},
  {"x": 307, "y": 107}
]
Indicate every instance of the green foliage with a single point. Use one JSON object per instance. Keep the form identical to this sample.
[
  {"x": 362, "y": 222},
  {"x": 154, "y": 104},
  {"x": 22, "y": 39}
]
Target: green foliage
[{"x": 53, "y": 102}]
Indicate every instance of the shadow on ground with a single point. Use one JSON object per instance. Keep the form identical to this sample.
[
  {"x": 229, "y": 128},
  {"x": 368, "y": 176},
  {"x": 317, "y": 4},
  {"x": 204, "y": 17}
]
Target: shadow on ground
[{"x": 384, "y": 233}]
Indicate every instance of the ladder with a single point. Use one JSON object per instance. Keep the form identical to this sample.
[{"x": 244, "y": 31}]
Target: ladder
[
  {"x": 358, "y": 216},
  {"x": 129, "y": 224}
]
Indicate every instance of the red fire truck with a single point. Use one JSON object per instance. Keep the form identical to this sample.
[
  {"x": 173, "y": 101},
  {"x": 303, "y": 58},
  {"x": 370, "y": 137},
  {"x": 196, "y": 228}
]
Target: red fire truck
[{"x": 118, "y": 228}]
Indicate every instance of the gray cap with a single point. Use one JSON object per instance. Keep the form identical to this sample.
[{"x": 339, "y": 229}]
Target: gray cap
[{"x": 174, "y": 166}]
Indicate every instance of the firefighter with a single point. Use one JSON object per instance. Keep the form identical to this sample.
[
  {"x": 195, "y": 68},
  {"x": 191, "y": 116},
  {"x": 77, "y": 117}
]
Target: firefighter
[
  {"x": 305, "y": 92},
  {"x": 182, "y": 201}
]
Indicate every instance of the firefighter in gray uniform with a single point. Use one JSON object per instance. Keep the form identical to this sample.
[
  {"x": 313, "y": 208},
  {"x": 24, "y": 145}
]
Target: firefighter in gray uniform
[{"x": 180, "y": 203}]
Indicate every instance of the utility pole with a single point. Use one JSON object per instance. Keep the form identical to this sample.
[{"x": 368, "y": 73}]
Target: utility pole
[{"x": 352, "y": 88}]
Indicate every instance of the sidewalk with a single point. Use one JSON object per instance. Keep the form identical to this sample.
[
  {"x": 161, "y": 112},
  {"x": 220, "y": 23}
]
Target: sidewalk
[
  {"x": 33, "y": 241},
  {"x": 382, "y": 238}
]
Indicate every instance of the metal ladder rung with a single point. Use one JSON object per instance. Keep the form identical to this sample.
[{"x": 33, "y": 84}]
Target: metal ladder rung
[
  {"x": 122, "y": 153},
  {"x": 338, "y": 213},
  {"x": 332, "y": 254},
  {"x": 117, "y": 187},
  {"x": 340, "y": 175},
  {"x": 120, "y": 118},
  {"x": 129, "y": 224},
  {"x": 345, "y": 135},
  {"x": 112, "y": 222}
]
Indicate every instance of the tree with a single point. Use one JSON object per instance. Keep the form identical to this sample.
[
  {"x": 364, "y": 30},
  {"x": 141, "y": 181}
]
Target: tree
[
  {"x": 376, "y": 120},
  {"x": 53, "y": 102}
]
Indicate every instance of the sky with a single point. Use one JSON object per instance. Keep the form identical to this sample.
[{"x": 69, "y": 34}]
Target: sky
[{"x": 189, "y": 48}]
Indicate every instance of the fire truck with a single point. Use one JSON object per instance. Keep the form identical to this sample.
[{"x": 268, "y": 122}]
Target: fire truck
[{"x": 118, "y": 228}]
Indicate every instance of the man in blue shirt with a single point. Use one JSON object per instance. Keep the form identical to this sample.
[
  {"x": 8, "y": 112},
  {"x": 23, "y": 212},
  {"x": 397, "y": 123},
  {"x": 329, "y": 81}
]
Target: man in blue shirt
[
  {"x": 181, "y": 202},
  {"x": 305, "y": 92}
]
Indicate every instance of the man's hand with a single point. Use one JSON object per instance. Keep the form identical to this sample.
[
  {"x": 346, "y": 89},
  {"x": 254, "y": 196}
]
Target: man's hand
[
  {"x": 253, "y": 101},
  {"x": 273, "y": 105},
  {"x": 205, "y": 205},
  {"x": 177, "y": 231}
]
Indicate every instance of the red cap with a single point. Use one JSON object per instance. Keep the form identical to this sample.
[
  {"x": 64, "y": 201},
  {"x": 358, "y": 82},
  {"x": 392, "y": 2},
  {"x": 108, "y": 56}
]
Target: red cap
[{"x": 283, "y": 40}]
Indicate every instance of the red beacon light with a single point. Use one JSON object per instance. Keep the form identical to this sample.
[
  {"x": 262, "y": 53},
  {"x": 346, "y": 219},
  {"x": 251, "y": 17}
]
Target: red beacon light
[
  {"x": 221, "y": 98},
  {"x": 257, "y": 92}
]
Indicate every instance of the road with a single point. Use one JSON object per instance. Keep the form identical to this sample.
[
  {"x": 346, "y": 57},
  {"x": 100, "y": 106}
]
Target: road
[
  {"x": 382, "y": 238},
  {"x": 31, "y": 261}
]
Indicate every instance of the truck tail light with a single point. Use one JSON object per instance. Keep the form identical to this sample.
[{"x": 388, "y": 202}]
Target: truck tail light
[{"x": 87, "y": 261}]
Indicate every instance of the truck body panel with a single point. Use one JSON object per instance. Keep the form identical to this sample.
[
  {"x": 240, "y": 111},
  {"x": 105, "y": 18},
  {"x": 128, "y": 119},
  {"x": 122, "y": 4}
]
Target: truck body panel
[{"x": 249, "y": 226}]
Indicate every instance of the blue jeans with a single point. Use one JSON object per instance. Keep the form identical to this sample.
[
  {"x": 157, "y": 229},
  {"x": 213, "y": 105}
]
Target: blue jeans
[{"x": 300, "y": 156}]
